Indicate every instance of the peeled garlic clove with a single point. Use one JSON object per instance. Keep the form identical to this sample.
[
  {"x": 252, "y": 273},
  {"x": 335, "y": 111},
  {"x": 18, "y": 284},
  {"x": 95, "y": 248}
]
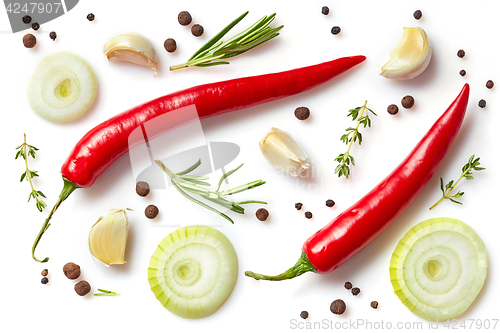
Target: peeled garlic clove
[
  {"x": 133, "y": 48},
  {"x": 108, "y": 237},
  {"x": 410, "y": 57},
  {"x": 283, "y": 152}
]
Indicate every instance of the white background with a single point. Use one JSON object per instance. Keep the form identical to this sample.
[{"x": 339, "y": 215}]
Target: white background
[{"x": 371, "y": 28}]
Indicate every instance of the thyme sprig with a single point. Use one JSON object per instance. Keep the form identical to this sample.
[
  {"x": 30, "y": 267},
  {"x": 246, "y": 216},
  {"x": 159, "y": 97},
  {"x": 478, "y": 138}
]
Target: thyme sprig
[
  {"x": 471, "y": 165},
  {"x": 25, "y": 150},
  {"x": 185, "y": 183},
  {"x": 361, "y": 115},
  {"x": 104, "y": 292},
  {"x": 215, "y": 48}
]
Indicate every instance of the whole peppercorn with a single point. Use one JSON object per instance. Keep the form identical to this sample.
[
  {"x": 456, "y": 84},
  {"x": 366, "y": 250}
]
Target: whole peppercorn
[
  {"x": 302, "y": 113},
  {"x": 82, "y": 288},
  {"x": 45, "y": 272},
  {"x": 170, "y": 45},
  {"x": 184, "y": 18},
  {"x": 330, "y": 203},
  {"x": 407, "y": 102},
  {"x": 463, "y": 72},
  {"x": 355, "y": 291},
  {"x": 348, "y": 285},
  {"x": 53, "y": 35},
  {"x": 308, "y": 215},
  {"x": 482, "y": 103},
  {"x": 325, "y": 10},
  {"x": 142, "y": 189},
  {"x": 489, "y": 84},
  {"x": 417, "y": 14},
  {"x": 71, "y": 270},
  {"x": 26, "y": 19},
  {"x": 151, "y": 211},
  {"x": 262, "y": 214},
  {"x": 29, "y": 41},
  {"x": 461, "y": 53},
  {"x": 298, "y": 206},
  {"x": 304, "y": 314},
  {"x": 338, "y": 307},
  {"x": 335, "y": 30},
  {"x": 197, "y": 30},
  {"x": 91, "y": 17},
  {"x": 35, "y": 26},
  {"x": 393, "y": 109},
  {"x": 45, "y": 280},
  {"x": 374, "y": 304}
]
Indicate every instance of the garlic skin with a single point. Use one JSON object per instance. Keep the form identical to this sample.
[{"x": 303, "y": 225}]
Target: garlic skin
[
  {"x": 410, "y": 57},
  {"x": 283, "y": 152},
  {"x": 108, "y": 237},
  {"x": 133, "y": 48}
]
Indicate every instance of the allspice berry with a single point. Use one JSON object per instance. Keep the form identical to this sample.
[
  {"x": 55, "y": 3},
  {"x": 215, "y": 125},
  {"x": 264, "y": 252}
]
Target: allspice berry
[
  {"x": 82, "y": 288},
  {"x": 393, "y": 109},
  {"x": 338, "y": 307},
  {"x": 355, "y": 291},
  {"x": 197, "y": 30},
  {"x": 417, "y": 14},
  {"x": 461, "y": 53},
  {"x": 71, "y": 270},
  {"x": 374, "y": 304},
  {"x": 262, "y": 214},
  {"x": 170, "y": 45},
  {"x": 348, "y": 285},
  {"x": 302, "y": 113},
  {"x": 142, "y": 189},
  {"x": 29, "y": 41},
  {"x": 151, "y": 211},
  {"x": 304, "y": 314},
  {"x": 489, "y": 84},
  {"x": 90, "y": 17},
  {"x": 308, "y": 215},
  {"x": 408, "y": 102},
  {"x": 184, "y": 18},
  {"x": 53, "y": 35}
]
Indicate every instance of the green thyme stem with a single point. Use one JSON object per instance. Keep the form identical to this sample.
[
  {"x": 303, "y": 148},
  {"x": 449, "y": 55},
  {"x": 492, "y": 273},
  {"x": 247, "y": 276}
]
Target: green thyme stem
[{"x": 105, "y": 292}]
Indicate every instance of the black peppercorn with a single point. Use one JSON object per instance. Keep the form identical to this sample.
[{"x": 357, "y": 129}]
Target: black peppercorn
[
  {"x": 91, "y": 17},
  {"x": 338, "y": 307},
  {"x": 355, "y": 291},
  {"x": 35, "y": 26},
  {"x": 335, "y": 30},
  {"x": 82, "y": 288},
  {"x": 71, "y": 270},
  {"x": 325, "y": 10},
  {"x": 417, "y": 14},
  {"x": 461, "y": 53},
  {"x": 304, "y": 314},
  {"x": 330, "y": 203},
  {"x": 308, "y": 215},
  {"x": 142, "y": 189},
  {"x": 197, "y": 30},
  {"x": 151, "y": 211},
  {"x": 302, "y": 113},
  {"x": 184, "y": 18},
  {"x": 298, "y": 206},
  {"x": 482, "y": 103},
  {"x": 463, "y": 72},
  {"x": 407, "y": 102},
  {"x": 29, "y": 41},
  {"x": 45, "y": 272},
  {"x": 374, "y": 304},
  {"x": 262, "y": 214},
  {"x": 26, "y": 19},
  {"x": 45, "y": 280},
  {"x": 348, "y": 285},
  {"x": 393, "y": 109},
  {"x": 489, "y": 84},
  {"x": 53, "y": 35},
  {"x": 170, "y": 45}
]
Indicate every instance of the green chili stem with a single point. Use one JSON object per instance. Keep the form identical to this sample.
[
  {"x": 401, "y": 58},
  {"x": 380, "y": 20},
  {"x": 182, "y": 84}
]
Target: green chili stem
[{"x": 302, "y": 266}]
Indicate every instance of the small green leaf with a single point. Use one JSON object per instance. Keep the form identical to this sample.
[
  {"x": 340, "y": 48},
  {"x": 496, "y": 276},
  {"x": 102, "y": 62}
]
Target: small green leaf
[{"x": 455, "y": 201}]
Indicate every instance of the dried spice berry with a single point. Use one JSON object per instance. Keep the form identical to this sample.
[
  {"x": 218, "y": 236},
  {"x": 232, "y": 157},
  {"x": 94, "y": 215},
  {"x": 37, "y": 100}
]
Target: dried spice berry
[
  {"x": 151, "y": 211},
  {"x": 184, "y": 18},
  {"x": 325, "y": 10},
  {"x": 330, "y": 203},
  {"x": 417, "y": 14},
  {"x": 304, "y": 314},
  {"x": 91, "y": 17},
  {"x": 53, "y": 35},
  {"x": 302, "y": 113},
  {"x": 45, "y": 280},
  {"x": 45, "y": 272},
  {"x": 463, "y": 72},
  {"x": 29, "y": 41},
  {"x": 170, "y": 45},
  {"x": 262, "y": 214},
  {"x": 482, "y": 103},
  {"x": 26, "y": 19},
  {"x": 489, "y": 84},
  {"x": 348, "y": 285},
  {"x": 298, "y": 206},
  {"x": 197, "y": 30},
  {"x": 355, "y": 291},
  {"x": 142, "y": 189},
  {"x": 35, "y": 26},
  {"x": 393, "y": 109},
  {"x": 82, "y": 288},
  {"x": 461, "y": 53},
  {"x": 71, "y": 270},
  {"x": 308, "y": 215},
  {"x": 338, "y": 307},
  {"x": 374, "y": 304},
  {"x": 336, "y": 30},
  {"x": 407, "y": 102}
]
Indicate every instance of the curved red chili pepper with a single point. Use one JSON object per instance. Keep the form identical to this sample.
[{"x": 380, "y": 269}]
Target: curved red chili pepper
[
  {"x": 357, "y": 226},
  {"x": 106, "y": 142}
]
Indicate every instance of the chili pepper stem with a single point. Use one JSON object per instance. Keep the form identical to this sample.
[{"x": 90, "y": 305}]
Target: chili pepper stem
[
  {"x": 302, "y": 266},
  {"x": 68, "y": 188}
]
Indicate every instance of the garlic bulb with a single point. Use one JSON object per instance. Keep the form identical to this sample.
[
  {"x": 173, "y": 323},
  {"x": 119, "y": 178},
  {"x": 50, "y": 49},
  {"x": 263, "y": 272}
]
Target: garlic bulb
[
  {"x": 283, "y": 152},
  {"x": 133, "y": 48},
  {"x": 108, "y": 237},
  {"x": 410, "y": 57}
]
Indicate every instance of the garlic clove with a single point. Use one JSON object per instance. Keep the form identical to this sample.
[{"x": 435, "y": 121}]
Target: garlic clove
[
  {"x": 281, "y": 150},
  {"x": 410, "y": 57},
  {"x": 108, "y": 237},
  {"x": 133, "y": 48}
]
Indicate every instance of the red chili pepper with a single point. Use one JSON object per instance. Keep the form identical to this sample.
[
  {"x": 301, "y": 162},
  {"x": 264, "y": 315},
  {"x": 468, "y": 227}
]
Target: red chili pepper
[
  {"x": 106, "y": 142},
  {"x": 352, "y": 230}
]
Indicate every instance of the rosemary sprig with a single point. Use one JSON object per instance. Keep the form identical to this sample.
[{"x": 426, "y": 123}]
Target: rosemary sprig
[
  {"x": 471, "y": 165},
  {"x": 361, "y": 115},
  {"x": 186, "y": 183},
  {"x": 105, "y": 292},
  {"x": 215, "y": 49},
  {"x": 25, "y": 150}
]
